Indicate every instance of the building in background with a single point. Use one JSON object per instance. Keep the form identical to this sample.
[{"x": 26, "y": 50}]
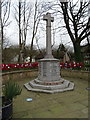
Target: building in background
[{"x": 66, "y": 57}]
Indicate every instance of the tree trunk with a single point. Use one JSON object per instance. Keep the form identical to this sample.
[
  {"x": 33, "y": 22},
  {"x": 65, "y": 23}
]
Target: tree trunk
[
  {"x": 30, "y": 58},
  {"x": 2, "y": 37},
  {"x": 31, "y": 49},
  {"x": 77, "y": 52},
  {"x": 20, "y": 44}
]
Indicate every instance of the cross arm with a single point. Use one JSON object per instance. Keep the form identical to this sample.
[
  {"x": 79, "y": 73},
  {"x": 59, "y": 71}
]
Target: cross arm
[{"x": 48, "y": 17}]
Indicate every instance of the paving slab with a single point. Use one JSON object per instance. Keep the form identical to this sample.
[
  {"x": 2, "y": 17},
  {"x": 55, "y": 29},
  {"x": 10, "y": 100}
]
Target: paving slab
[
  {"x": 71, "y": 104},
  {"x": 75, "y": 114}
]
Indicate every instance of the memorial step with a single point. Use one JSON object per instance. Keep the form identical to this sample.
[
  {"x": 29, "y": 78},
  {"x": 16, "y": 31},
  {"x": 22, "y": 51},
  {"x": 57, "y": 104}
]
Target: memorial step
[{"x": 69, "y": 88}]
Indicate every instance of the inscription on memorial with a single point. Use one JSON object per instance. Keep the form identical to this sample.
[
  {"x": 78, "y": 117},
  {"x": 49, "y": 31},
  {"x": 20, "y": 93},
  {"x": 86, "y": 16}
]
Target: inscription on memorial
[
  {"x": 39, "y": 68},
  {"x": 54, "y": 69},
  {"x": 44, "y": 69}
]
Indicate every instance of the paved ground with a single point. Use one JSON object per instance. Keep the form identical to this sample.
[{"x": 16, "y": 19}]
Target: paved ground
[{"x": 70, "y": 104}]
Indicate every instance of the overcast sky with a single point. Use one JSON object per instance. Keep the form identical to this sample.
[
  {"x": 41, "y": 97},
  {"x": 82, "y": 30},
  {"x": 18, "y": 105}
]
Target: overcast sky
[{"x": 12, "y": 31}]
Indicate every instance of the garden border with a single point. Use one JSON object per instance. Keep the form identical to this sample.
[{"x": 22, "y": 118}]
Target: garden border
[{"x": 85, "y": 75}]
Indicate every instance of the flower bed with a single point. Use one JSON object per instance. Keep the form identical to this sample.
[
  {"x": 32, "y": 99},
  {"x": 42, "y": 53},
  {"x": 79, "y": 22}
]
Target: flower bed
[
  {"x": 72, "y": 65},
  {"x": 18, "y": 66}
]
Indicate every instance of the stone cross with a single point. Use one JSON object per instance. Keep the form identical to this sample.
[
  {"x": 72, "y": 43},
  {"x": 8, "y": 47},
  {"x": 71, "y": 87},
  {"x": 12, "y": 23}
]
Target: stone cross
[{"x": 48, "y": 19}]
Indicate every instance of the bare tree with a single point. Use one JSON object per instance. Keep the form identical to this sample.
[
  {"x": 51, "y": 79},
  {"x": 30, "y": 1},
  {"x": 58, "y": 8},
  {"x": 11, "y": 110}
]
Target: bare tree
[
  {"x": 20, "y": 44},
  {"x": 88, "y": 37},
  {"x": 5, "y": 13},
  {"x": 35, "y": 27},
  {"x": 22, "y": 17},
  {"x": 26, "y": 18},
  {"x": 40, "y": 51},
  {"x": 76, "y": 23},
  {"x": 40, "y": 8}
]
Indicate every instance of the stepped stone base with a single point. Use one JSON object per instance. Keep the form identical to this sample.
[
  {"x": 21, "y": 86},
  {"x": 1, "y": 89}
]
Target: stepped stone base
[
  {"x": 64, "y": 85},
  {"x": 49, "y": 79}
]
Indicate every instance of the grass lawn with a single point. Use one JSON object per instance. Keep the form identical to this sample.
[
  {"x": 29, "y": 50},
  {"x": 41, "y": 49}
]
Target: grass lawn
[{"x": 70, "y": 104}]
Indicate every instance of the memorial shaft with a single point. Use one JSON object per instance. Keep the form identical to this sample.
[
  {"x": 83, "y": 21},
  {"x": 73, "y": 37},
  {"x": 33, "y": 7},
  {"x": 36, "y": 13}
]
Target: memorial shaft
[{"x": 48, "y": 19}]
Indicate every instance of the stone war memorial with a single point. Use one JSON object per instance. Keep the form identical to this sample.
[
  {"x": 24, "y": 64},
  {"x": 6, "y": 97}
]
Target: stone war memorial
[{"x": 49, "y": 79}]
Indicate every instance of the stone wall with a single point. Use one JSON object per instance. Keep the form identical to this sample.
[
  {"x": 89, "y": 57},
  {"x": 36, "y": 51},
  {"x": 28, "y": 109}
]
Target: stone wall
[
  {"x": 18, "y": 75},
  {"x": 75, "y": 74}
]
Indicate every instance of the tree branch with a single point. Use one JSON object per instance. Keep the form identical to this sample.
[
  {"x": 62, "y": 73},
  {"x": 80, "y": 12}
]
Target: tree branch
[
  {"x": 85, "y": 29},
  {"x": 66, "y": 19}
]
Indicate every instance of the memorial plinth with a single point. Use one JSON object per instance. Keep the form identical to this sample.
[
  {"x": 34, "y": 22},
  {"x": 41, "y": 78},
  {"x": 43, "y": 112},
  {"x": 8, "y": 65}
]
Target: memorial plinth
[{"x": 49, "y": 79}]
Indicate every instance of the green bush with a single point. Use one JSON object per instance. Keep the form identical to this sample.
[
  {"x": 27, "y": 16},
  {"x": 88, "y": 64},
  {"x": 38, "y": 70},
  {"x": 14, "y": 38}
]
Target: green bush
[{"x": 11, "y": 90}]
